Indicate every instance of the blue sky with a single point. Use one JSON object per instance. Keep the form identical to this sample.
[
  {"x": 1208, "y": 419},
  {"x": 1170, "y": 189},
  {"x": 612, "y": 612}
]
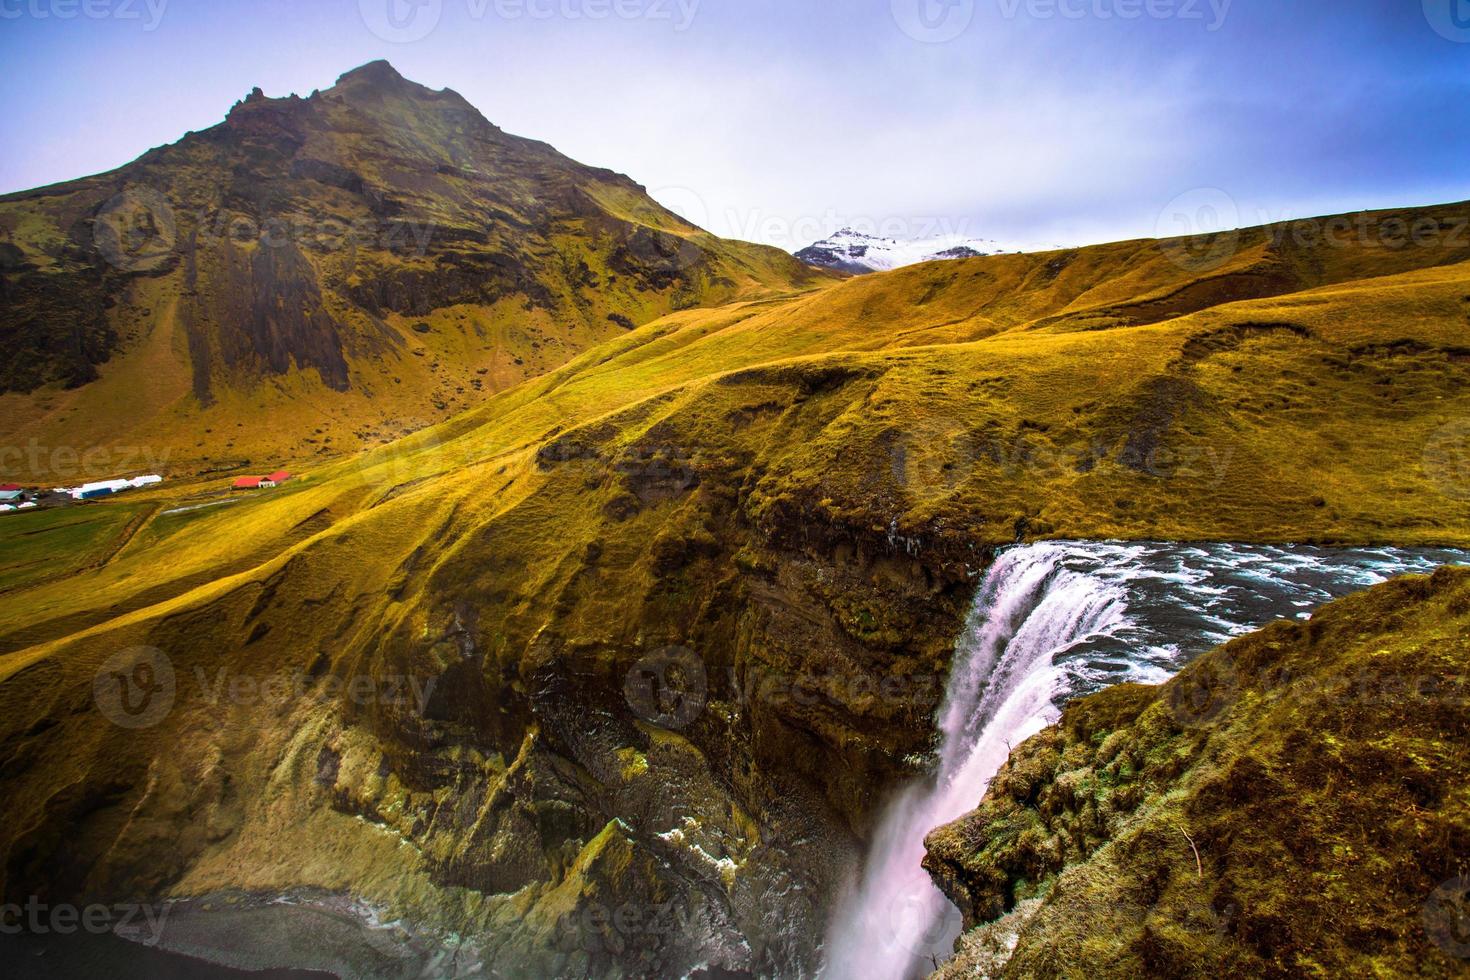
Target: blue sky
[{"x": 1046, "y": 121}]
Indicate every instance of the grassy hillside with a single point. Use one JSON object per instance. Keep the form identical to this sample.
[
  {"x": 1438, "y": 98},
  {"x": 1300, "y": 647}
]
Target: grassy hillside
[
  {"x": 798, "y": 490},
  {"x": 1291, "y": 805},
  {"x": 313, "y": 276}
]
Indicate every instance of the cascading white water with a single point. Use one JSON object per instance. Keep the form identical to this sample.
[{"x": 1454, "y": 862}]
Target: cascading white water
[
  {"x": 1002, "y": 688},
  {"x": 1051, "y": 622}
]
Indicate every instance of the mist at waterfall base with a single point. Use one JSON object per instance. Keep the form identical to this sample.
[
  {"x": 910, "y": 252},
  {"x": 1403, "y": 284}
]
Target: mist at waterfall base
[{"x": 1052, "y": 622}]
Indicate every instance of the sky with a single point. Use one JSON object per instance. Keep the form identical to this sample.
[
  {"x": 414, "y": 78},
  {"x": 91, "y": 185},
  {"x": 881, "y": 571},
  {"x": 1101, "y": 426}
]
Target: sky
[{"x": 1058, "y": 122}]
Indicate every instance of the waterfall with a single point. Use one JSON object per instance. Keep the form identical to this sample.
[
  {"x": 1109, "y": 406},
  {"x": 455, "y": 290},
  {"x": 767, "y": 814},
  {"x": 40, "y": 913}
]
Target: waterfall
[
  {"x": 1051, "y": 622},
  {"x": 1003, "y": 686}
]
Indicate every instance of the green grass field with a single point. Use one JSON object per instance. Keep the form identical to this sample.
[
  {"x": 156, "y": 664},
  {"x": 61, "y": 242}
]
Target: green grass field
[{"x": 53, "y": 543}]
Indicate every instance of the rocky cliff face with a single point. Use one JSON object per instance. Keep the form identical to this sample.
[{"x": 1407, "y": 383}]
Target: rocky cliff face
[{"x": 1293, "y": 803}]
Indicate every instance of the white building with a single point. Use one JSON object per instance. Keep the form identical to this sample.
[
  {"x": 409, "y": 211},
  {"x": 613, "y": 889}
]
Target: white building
[{"x": 114, "y": 486}]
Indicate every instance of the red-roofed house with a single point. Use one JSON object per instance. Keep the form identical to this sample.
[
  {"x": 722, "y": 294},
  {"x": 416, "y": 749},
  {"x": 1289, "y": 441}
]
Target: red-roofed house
[
  {"x": 7, "y": 487},
  {"x": 279, "y": 476},
  {"x": 248, "y": 483}
]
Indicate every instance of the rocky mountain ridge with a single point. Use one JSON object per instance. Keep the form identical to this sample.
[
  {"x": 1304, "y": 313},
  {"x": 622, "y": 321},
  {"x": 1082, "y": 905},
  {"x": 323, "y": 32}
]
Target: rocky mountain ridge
[{"x": 351, "y": 265}]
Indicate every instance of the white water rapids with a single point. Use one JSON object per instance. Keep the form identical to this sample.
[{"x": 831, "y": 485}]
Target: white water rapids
[{"x": 1051, "y": 622}]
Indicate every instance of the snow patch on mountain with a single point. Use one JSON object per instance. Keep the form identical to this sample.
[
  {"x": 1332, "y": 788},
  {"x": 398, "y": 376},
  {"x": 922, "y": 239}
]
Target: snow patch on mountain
[{"x": 854, "y": 251}]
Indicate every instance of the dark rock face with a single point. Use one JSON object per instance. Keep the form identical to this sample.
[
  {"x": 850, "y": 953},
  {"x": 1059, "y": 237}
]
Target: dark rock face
[
  {"x": 273, "y": 296},
  {"x": 55, "y": 332},
  {"x": 827, "y": 258}
]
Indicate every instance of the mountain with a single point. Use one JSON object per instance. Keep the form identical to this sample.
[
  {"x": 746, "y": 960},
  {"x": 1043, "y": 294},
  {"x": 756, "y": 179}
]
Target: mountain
[
  {"x": 664, "y": 628},
  {"x": 853, "y": 251},
  {"x": 346, "y": 267}
]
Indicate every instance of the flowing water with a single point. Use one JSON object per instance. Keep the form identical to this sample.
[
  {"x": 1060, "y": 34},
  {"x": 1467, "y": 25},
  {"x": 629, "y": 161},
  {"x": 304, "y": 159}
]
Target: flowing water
[{"x": 1052, "y": 622}]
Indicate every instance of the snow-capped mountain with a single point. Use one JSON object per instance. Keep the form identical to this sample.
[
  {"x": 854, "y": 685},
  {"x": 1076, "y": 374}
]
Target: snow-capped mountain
[{"x": 852, "y": 251}]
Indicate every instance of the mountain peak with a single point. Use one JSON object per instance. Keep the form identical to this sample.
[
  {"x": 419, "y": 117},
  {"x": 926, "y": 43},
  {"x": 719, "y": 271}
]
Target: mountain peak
[
  {"x": 851, "y": 250},
  {"x": 379, "y": 78},
  {"x": 319, "y": 235},
  {"x": 378, "y": 72}
]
